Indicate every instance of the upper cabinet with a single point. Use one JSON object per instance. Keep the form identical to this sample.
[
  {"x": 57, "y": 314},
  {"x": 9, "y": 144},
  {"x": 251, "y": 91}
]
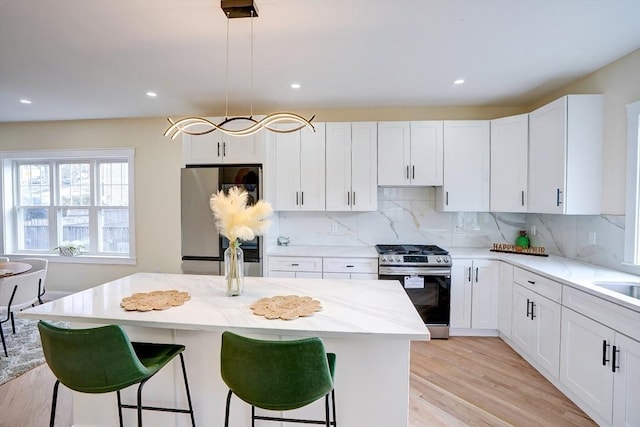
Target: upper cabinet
[
  {"x": 466, "y": 167},
  {"x": 299, "y": 170},
  {"x": 410, "y": 153},
  {"x": 351, "y": 159},
  {"x": 565, "y": 156},
  {"x": 509, "y": 153},
  {"x": 216, "y": 147}
]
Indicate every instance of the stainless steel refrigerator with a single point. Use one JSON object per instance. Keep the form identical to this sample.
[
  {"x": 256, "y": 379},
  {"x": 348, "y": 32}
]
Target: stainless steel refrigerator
[{"x": 202, "y": 245}]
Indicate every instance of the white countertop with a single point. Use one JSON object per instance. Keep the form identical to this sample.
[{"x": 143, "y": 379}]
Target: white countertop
[
  {"x": 324, "y": 251},
  {"x": 351, "y": 308},
  {"x": 570, "y": 272},
  {"x": 573, "y": 273}
]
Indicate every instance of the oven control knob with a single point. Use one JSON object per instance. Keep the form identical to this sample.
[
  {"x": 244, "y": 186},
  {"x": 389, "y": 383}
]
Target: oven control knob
[
  {"x": 438, "y": 259},
  {"x": 445, "y": 259}
]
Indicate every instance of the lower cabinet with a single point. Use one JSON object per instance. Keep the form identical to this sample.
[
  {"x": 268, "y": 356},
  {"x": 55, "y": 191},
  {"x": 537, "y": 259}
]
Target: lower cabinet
[
  {"x": 474, "y": 294},
  {"x": 305, "y": 267},
  {"x": 327, "y": 268},
  {"x": 535, "y": 328},
  {"x": 350, "y": 268},
  {"x": 602, "y": 368},
  {"x": 505, "y": 298}
]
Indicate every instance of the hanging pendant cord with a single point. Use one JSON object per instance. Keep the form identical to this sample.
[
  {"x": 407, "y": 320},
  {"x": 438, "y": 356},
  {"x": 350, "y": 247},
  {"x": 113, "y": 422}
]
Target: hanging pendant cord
[
  {"x": 251, "y": 110},
  {"x": 226, "y": 111}
]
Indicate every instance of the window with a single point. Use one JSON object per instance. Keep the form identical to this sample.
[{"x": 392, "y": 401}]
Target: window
[
  {"x": 632, "y": 213},
  {"x": 85, "y": 197}
]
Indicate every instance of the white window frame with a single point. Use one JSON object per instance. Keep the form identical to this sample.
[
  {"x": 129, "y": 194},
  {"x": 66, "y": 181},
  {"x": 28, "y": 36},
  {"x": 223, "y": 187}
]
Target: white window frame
[
  {"x": 632, "y": 210},
  {"x": 8, "y": 184}
]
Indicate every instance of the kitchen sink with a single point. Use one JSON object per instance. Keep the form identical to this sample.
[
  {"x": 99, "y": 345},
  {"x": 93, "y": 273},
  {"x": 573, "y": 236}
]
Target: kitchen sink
[{"x": 630, "y": 289}]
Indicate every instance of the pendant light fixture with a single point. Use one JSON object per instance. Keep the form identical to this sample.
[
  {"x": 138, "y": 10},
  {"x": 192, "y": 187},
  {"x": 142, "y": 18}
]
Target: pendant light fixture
[{"x": 238, "y": 9}]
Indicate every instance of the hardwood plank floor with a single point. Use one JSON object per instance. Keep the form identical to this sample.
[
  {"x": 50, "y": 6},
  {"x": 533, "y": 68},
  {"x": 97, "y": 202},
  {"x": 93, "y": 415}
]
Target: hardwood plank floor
[
  {"x": 483, "y": 382},
  {"x": 463, "y": 381}
]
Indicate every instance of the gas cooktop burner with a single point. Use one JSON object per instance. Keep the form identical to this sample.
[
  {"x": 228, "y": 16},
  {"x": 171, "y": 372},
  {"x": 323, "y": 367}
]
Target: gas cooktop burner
[
  {"x": 408, "y": 256},
  {"x": 410, "y": 250}
]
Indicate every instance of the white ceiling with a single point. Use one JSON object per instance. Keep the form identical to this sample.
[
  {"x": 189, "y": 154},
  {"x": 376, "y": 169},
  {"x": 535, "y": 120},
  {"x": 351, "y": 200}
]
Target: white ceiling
[{"x": 80, "y": 59}]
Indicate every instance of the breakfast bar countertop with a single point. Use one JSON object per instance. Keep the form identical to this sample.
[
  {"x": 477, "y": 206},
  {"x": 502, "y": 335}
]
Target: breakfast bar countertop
[{"x": 350, "y": 307}]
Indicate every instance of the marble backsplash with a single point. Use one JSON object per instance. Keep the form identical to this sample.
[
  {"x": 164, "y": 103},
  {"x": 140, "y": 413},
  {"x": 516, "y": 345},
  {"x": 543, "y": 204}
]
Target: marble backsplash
[{"x": 408, "y": 215}]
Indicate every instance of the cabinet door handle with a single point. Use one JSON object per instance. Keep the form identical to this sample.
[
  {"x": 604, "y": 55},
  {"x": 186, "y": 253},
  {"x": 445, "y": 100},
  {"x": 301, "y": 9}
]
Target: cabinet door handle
[
  {"x": 296, "y": 198},
  {"x": 354, "y": 198},
  {"x": 558, "y": 193},
  {"x": 533, "y": 304},
  {"x": 446, "y": 201},
  {"x": 348, "y": 198},
  {"x": 469, "y": 280},
  {"x": 294, "y": 264},
  {"x": 531, "y": 281},
  {"x": 605, "y": 345},
  {"x": 528, "y": 302},
  {"x": 616, "y": 350},
  {"x": 522, "y": 197},
  {"x": 349, "y": 266},
  {"x": 413, "y": 172},
  {"x": 302, "y": 197},
  {"x": 218, "y": 149},
  {"x": 224, "y": 149},
  {"x": 476, "y": 274},
  {"x": 407, "y": 171}
]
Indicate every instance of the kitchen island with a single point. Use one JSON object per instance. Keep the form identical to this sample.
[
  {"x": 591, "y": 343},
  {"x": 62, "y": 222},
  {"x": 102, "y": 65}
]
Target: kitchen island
[{"x": 369, "y": 324}]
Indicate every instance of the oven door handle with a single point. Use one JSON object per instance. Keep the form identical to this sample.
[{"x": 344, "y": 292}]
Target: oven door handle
[{"x": 404, "y": 271}]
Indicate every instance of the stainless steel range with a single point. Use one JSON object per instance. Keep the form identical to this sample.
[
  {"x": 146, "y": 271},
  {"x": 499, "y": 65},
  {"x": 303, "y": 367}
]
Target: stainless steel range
[{"x": 425, "y": 273}]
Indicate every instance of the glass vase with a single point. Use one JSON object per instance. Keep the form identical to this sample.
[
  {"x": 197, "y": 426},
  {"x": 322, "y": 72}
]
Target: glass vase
[{"x": 234, "y": 270}]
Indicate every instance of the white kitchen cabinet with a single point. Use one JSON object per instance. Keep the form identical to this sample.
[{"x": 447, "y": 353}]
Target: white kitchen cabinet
[
  {"x": 218, "y": 148},
  {"x": 299, "y": 170},
  {"x": 302, "y": 267},
  {"x": 586, "y": 361},
  {"x": 410, "y": 153},
  {"x": 351, "y": 172},
  {"x": 509, "y": 157},
  {"x": 626, "y": 383},
  {"x": 350, "y": 268},
  {"x": 599, "y": 363},
  {"x": 535, "y": 328},
  {"x": 474, "y": 294},
  {"x": 327, "y": 268},
  {"x": 565, "y": 156},
  {"x": 505, "y": 298},
  {"x": 466, "y": 167}
]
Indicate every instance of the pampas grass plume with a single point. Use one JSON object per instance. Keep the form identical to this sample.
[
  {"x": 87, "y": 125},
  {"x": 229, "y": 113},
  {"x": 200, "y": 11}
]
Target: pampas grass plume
[{"x": 236, "y": 220}]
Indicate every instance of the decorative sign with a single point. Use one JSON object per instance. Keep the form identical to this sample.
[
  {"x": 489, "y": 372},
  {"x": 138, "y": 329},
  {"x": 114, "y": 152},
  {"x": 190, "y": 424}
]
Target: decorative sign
[{"x": 513, "y": 249}]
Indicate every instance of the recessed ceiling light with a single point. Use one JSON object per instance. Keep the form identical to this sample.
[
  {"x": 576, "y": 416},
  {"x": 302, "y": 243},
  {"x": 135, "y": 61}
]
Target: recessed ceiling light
[
  {"x": 152, "y": 94},
  {"x": 295, "y": 85},
  {"x": 25, "y": 101},
  {"x": 458, "y": 82}
]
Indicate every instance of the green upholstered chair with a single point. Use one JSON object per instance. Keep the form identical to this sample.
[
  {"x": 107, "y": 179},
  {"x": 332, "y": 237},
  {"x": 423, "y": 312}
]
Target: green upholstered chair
[
  {"x": 103, "y": 360},
  {"x": 278, "y": 375}
]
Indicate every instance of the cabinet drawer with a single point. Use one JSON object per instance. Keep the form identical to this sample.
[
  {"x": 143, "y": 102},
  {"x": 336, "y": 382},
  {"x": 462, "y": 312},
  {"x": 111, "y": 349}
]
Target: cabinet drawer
[
  {"x": 295, "y": 264},
  {"x": 542, "y": 285},
  {"x": 612, "y": 315},
  {"x": 350, "y": 265}
]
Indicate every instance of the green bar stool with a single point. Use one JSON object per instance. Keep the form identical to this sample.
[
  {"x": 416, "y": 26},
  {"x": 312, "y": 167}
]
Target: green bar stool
[
  {"x": 278, "y": 375},
  {"x": 103, "y": 360}
]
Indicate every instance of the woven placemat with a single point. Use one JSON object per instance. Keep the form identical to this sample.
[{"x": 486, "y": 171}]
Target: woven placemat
[
  {"x": 287, "y": 307},
  {"x": 155, "y": 300}
]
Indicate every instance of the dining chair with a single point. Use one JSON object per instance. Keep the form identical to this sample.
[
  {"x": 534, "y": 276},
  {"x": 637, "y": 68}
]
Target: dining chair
[
  {"x": 39, "y": 264},
  {"x": 17, "y": 292},
  {"x": 278, "y": 375},
  {"x": 104, "y": 360}
]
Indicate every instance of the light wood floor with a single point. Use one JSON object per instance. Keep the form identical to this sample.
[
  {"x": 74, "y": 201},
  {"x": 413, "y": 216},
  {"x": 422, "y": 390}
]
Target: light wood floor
[{"x": 463, "y": 381}]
